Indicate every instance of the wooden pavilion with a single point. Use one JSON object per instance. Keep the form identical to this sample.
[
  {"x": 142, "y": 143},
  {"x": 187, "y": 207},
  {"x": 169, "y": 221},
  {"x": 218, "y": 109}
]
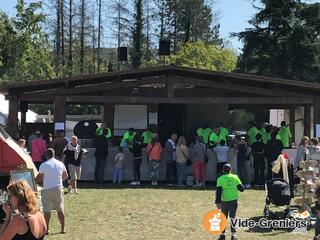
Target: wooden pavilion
[{"x": 169, "y": 85}]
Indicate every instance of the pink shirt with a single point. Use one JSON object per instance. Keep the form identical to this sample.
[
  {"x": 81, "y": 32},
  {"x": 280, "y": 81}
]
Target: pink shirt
[
  {"x": 38, "y": 147},
  {"x": 156, "y": 151}
]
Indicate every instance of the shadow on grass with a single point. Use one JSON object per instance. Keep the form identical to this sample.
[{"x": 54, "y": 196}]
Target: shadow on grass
[
  {"x": 210, "y": 186},
  {"x": 144, "y": 185}
]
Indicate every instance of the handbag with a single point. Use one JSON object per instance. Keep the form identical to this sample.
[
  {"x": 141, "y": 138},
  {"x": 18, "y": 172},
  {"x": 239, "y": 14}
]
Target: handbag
[
  {"x": 188, "y": 162},
  {"x": 206, "y": 159}
]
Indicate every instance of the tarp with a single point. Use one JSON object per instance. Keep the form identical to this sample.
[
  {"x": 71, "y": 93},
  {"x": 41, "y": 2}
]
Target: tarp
[{"x": 12, "y": 156}]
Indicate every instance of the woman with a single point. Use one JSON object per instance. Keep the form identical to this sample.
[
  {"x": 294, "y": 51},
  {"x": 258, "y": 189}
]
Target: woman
[
  {"x": 199, "y": 152},
  {"x": 301, "y": 151},
  {"x": 23, "y": 217},
  {"x": 154, "y": 151},
  {"x": 182, "y": 154}
]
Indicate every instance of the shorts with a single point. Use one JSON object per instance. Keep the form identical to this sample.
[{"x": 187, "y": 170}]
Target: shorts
[
  {"x": 74, "y": 172},
  {"x": 52, "y": 199}
]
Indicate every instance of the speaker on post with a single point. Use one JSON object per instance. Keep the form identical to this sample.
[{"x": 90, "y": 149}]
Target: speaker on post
[
  {"x": 123, "y": 54},
  {"x": 164, "y": 48}
]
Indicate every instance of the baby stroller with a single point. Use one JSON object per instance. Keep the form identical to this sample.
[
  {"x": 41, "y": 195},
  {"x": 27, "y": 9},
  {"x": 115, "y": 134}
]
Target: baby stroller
[{"x": 277, "y": 193}]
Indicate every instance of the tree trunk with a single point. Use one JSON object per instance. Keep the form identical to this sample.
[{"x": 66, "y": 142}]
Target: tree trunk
[{"x": 70, "y": 60}]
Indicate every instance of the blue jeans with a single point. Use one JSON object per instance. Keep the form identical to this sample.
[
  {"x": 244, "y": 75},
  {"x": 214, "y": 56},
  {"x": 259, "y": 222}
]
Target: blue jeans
[
  {"x": 181, "y": 170},
  {"x": 117, "y": 175}
]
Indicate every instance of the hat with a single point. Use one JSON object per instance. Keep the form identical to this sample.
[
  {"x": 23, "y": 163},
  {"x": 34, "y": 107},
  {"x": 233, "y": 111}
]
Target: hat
[{"x": 226, "y": 167}]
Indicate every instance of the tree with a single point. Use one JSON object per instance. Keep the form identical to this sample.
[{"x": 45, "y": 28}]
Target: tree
[
  {"x": 205, "y": 56},
  {"x": 137, "y": 35},
  {"x": 24, "y": 46},
  {"x": 283, "y": 42},
  {"x": 187, "y": 21}
]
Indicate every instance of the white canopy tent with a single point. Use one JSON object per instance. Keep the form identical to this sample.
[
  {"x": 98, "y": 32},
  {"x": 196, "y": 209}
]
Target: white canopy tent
[{"x": 4, "y": 110}]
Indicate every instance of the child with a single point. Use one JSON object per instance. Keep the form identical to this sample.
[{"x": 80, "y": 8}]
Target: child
[
  {"x": 222, "y": 156},
  {"x": 118, "y": 166},
  {"x": 228, "y": 186},
  {"x": 317, "y": 225}
]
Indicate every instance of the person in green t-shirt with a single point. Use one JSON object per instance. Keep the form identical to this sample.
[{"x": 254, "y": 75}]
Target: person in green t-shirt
[
  {"x": 204, "y": 133},
  {"x": 127, "y": 139},
  {"x": 285, "y": 134},
  {"x": 147, "y": 137},
  {"x": 223, "y": 134},
  {"x": 99, "y": 131},
  {"x": 214, "y": 138},
  {"x": 228, "y": 186},
  {"x": 252, "y": 133}
]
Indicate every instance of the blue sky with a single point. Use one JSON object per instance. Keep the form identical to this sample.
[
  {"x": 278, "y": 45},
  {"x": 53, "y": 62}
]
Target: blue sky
[{"x": 233, "y": 16}]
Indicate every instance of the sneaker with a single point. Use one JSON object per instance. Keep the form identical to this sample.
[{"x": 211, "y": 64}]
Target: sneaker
[
  {"x": 222, "y": 237},
  {"x": 234, "y": 237},
  {"x": 133, "y": 183}
]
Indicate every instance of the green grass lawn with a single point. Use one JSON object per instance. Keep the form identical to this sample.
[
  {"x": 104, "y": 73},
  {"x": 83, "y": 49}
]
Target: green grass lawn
[{"x": 146, "y": 213}]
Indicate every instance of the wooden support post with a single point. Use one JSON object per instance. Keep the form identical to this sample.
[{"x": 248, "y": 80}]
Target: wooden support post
[
  {"x": 23, "y": 110},
  {"x": 13, "y": 117},
  {"x": 108, "y": 114},
  {"x": 316, "y": 115},
  {"x": 307, "y": 120},
  {"x": 292, "y": 122},
  {"x": 60, "y": 110}
]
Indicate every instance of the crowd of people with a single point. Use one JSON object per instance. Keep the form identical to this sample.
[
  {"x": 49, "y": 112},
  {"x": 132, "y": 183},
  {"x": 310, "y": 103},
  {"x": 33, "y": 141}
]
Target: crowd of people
[{"x": 262, "y": 144}]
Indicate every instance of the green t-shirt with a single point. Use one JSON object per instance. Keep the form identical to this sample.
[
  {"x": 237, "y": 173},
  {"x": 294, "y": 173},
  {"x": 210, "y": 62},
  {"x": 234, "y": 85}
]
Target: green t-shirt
[
  {"x": 147, "y": 137},
  {"x": 128, "y": 137},
  {"x": 285, "y": 136},
  {"x": 200, "y": 132},
  {"x": 266, "y": 136},
  {"x": 206, "y": 134},
  {"x": 214, "y": 139},
  {"x": 223, "y": 134},
  {"x": 99, "y": 132},
  {"x": 229, "y": 183},
  {"x": 252, "y": 133}
]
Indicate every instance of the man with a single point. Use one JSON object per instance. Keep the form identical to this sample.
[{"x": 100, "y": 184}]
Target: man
[
  {"x": 223, "y": 133},
  {"x": 204, "y": 133},
  {"x": 222, "y": 156},
  {"x": 272, "y": 151},
  {"x": 252, "y": 133},
  {"x": 214, "y": 138},
  {"x": 104, "y": 130},
  {"x": 146, "y": 137},
  {"x": 285, "y": 134},
  {"x": 73, "y": 154},
  {"x": 228, "y": 186},
  {"x": 258, "y": 148},
  {"x": 51, "y": 174},
  {"x": 170, "y": 159},
  {"x": 101, "y": 154},
  {"x": 127, "y": 139},
  {"x": 58, "y": 144}
]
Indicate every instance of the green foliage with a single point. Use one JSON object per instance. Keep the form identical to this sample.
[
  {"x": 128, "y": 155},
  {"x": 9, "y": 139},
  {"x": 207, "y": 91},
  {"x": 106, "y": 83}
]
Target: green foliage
[
  {"x": 199, "y": 55},
  {"x": 24, "y": 49},
  {"x": 284, "y": 41}
]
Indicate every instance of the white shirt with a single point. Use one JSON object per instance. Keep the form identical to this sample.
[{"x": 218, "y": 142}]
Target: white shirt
[
  {"x": 52, "y": 171},
  {"x": 222, "y": 153}
]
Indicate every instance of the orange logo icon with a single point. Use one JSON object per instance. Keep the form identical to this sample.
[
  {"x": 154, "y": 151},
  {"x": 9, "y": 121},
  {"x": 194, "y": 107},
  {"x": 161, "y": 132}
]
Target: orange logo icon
[{"x": 215, "y": 222}]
